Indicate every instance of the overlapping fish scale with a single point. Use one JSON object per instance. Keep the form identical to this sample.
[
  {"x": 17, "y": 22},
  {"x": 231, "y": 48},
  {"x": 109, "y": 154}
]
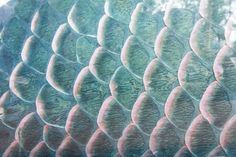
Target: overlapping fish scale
[
  {"x": 14, "y": 149},
  {"x": 184, "y": 152},
  {"x": 89, "y": 92},
  {"x": 35, "y": 54},
  {"x": 215, "y": 105},
  {"x": 216, "y": 12},
  {"x": 164, "y": 139},
  {"x": 6, "y": 137},
  {"x": 69, "y": 148},
  {"x": 218, "y": 151},
  {"x": 103, "y": 64},
  {"x": 206, "y": 40},
  {"x": 85, "y": 46},
  {"x": 53, "y": 106},
  {"x": 146, "y": 113},
  {"x": 180, "y": 108},
  {"x": 180, "y": 16},
  {"x": 64, "y": 42},
  {"x": 169, "y": 48},
  {"x": 120, "y": 10},
  {"x": 41, "y": 150},
  {"x": 124, "y": 87},
  {"x": 193, "y": 74},
  {"x": 45, "y": 22},
  {"x": 230, "y": 31},
  {"x": 13, "y": 109},
  {"x": 61, "y": 74},
  {"x": 159, "y": 80},
  {"x": 227, "y": 137},
  {"x": 148, "y": 153},
  {"x": 132, "y": 142},
  {"x": 200, "y": 137},
  {"x": 135, "y": 56},
  {"x": 25, "y": 82},
  {"x": 84, "y": 17},
  {"x": 80, "y": 125},
  {"x": 224, "y": 68},
  {"x": 143, "y": 88},
  {"x": 24, "y": 135},
  {"x": 53, "y": 136},
  {"x": 146, "y": 22},
  {"x": 112, "y": 118},
  {"x": 111, "y": 34},
  {"x": 100, "y": 145}
]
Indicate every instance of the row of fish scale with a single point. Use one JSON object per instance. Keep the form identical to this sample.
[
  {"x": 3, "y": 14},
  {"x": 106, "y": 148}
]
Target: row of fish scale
[{"x": 126, "y": 92}]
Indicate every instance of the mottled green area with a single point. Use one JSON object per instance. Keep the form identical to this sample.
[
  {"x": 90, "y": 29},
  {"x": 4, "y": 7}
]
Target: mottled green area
[
  {"x": 79, "y": 125},
  {"x": 103, "y": 64},
  {"x": 164, "y": 140},
  {"x": 125, "y": 88},
  {"x": 136, "y": 56},
  {"x": 112, "y": 34},
  {"x": 132, "y": 142},
  {"x": 215, "y": 105},
  {"x": 45, "y": 22},
  {"x": 194, "y": 76},
  {"x": 25, "y": 9},
  {"x": 84, "y": 17},
  {"x": 206, "y": 40},
  {"x": 179, "y": 108},
  {"x": 200, "y": 137},
  {"x": 85, "y": 46},
  {"x": 225, "y": 69},
  {"x": 13, "y": 36},
  {"x": 7, "y": 59},
  {"x": 181, "y": 21},
  {"x": 145, "y": 113},
  {"x": 13, "y": 109},
  {"x": 64, "y": 42},
  {"x": 145, "y": 24},
  {"x": 159, "y": 80},
  {"x": 35, "y": 54},
  {"x": 25, "y": 82},
  {"x": 112, "y": 118},
  {"x": 61, "y": 74},
  {"x": 89, "y": 92},
  {"x": 4, "y": 84},
  {"x": 53, "y": 106},
  {"x": 120, "y": 10},
  {"x": 169, "y": 48}
]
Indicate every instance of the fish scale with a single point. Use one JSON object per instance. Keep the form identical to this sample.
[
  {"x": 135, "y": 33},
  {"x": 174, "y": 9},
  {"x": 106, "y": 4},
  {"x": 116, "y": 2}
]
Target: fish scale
[{"x": 129, "y": 78}]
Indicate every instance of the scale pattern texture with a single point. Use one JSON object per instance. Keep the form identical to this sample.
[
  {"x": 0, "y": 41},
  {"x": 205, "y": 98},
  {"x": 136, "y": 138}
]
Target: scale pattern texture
[{"x": 118, "y": 78}]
